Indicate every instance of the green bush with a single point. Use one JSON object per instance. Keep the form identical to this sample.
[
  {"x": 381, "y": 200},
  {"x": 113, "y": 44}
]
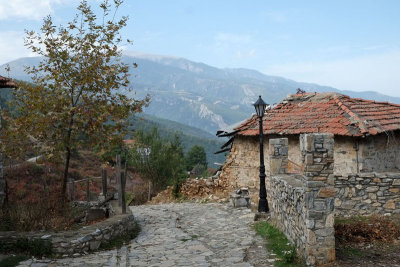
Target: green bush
[
  {"x": 12, "y": 261},
  {"x": 34, "y": 247}
]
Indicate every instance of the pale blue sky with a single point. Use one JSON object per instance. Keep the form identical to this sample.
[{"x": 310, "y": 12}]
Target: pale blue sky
[{"x": 351, "y": 45}]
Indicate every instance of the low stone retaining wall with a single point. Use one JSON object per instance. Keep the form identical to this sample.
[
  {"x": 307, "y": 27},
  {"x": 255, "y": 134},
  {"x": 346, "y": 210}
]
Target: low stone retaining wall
[
  {"x": 303, "y": 205},
  {"x": 79, "y": 241},
  {"x": 367, "y": 193},
  {"x": 288, "y": 207}
]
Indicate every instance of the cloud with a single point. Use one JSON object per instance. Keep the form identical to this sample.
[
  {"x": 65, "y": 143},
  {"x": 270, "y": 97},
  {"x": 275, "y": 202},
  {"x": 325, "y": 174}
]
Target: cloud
[
  {"x": 377, "y": 72},
  {"x": 26, "y": 9}
]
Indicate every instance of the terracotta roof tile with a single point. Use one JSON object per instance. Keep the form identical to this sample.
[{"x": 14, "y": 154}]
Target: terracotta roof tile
[
  {"x": 329, "y": 113},
  {"x": 7, "y": 83}
]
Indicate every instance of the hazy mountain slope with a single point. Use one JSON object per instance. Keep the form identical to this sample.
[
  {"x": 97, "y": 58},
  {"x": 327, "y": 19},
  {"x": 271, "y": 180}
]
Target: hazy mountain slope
[{"x": 202, "y": 96}]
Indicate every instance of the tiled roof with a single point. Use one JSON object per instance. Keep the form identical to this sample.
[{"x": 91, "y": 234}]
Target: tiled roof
[
  {"x": 6, "y": 83},
  {"x": 326, "y": 113}
]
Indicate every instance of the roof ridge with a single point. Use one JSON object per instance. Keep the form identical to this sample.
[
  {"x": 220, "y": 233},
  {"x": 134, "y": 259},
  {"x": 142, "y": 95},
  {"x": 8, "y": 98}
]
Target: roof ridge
[{"x": 360, "y": 123}]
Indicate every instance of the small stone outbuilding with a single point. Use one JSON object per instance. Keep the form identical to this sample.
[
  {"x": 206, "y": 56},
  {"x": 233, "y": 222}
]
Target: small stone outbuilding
[{"x": 366, "y": 148}]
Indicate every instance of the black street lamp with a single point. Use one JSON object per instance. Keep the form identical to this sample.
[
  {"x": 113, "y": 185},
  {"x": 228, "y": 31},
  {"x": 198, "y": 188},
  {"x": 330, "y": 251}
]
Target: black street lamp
[{"x": 260, "y": 106}]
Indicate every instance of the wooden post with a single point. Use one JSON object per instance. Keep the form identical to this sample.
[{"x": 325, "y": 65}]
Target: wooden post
[
  {"x": 104, "y": 180},
  {"x": 119, "y": 179},
  {"x": 87, "y": 190},
  {"x": 72, "y": 183},
  {"x": 123, "y": 198},
  {"x": 149, "y": 193},
  {"x": 118, "y": 168}
]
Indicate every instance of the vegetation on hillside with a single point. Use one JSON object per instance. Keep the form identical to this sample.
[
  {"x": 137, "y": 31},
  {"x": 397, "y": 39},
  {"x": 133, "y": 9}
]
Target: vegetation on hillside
[
  {"x": 74, "y": 99},
  {"x": 196, "y": 156},
  {"x": 159, "y": 161},
  {"x": 189, "y": 136}
]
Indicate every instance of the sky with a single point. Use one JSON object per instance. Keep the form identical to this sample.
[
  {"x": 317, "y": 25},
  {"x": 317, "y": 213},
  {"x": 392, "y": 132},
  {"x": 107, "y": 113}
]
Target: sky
[{"x": 350, "y": 45}]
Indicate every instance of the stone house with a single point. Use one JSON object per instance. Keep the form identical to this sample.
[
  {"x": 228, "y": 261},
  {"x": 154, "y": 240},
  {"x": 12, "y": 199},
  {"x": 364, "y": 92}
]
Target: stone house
[{"x": 366, "y": 149}]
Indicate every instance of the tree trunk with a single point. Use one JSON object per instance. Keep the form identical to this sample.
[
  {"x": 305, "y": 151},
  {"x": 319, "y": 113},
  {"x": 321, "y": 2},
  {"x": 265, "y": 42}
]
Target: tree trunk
[
  {"x": 67, "y": 159},
  {"x": 65, "y": 177}
]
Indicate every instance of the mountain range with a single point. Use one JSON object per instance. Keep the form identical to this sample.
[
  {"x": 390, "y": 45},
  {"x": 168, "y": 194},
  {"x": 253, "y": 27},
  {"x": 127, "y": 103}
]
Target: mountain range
[{"x": 200, "y": 95}]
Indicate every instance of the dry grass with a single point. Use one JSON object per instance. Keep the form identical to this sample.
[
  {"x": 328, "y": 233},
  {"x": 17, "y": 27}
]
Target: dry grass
[{"x": 368, "y": 229}]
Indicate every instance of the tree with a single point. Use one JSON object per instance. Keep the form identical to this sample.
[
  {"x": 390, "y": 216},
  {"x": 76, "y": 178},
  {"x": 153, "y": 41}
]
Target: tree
[
  {"x": 76, "y": 93},
  {"x": 159, "y": 161},
  {"x": 196, "y": 156}
]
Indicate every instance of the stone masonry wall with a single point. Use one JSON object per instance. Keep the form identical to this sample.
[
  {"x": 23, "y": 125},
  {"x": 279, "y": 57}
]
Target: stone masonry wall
[
  {"x": 241, "y": 168},
  {"x": 345, "y": 155},
  {"x": 367, "y": 193},
  {"x": 288, "y": 208},
  {"x": 380, "y": 153},
  {"x": 303, "y": 205},
  {"x": 76, "y": 242}
]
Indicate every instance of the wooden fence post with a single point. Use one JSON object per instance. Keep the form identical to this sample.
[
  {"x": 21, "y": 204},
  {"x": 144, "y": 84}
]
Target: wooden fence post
[
  {"x": 118, "y": 168},
  {"x": 72, "y": 183},
  {"x": 118, "y": 176},
  {"x": 104, "y": 180},
  {"x": 123, "y": 198},
  {"x": 87, "y": 190}
]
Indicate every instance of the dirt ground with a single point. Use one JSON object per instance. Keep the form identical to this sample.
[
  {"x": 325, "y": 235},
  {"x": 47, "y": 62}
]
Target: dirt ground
[
  {"x": 368, "y": 254},
  {"x": 368, "y": 241}
]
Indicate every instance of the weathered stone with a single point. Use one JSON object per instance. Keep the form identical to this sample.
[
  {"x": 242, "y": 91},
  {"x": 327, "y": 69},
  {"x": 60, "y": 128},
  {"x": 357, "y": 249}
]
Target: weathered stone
[
  {"x": 372, "y": 189},
  {"x": 396, "y": 182},
  {"x": 314, "y": 168},
  {"x": 326, "y": 192},
  {"x": 308, "y": 159},
  {"x": 376, "y": 180},
  {"x": 93, "y": 245},
  {"x": 390, "y": 205}
]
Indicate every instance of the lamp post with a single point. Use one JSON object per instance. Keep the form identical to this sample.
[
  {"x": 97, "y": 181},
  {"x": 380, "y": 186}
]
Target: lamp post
[{"x": 260, "y": 106}]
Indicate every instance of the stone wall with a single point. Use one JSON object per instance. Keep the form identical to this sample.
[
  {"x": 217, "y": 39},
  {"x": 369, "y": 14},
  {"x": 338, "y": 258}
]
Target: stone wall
[
  {"x": 380, "y": 153},
  {"x": 367, "y": 193},
  {"x": 76, "y": 242},
  {"x": 303, "y": 205},
  {"x": 345, "y": 155},
  {"x": 241, "y": 168}
]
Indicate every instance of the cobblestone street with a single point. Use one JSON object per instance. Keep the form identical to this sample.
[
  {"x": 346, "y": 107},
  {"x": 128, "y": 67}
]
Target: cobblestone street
[{"x": 186, "y": 234}]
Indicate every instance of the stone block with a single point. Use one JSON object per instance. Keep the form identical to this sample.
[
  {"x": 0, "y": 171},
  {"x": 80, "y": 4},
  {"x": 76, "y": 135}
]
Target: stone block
[
  {"x": 330, "y": 220},
  {"x": 319, "y": 205},
  {"x": 93, "y": 245},
  {"x": 372, "y": 189},
  {"x": 314, "y": 168},
  {"x": 95, "y": 215},
  {"x": 275, "y": 165},
  {"x": 311, "y": 239},
  {"x": 376, "y": 180},
  {"x": 394, "y": 190},
  {"x": 396, "y": 182},
  {"x": 326, "y": 192},
  {"x": 279, "y": 141},
  {"x": 390, "y": 205},
  {"x": 325, "y": 232},
  {"x": 320, "y": 178}
]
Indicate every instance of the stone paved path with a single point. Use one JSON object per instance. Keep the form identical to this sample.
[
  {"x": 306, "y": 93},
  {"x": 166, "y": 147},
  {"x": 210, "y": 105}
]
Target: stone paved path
[{"x": 184, "y": 234}]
